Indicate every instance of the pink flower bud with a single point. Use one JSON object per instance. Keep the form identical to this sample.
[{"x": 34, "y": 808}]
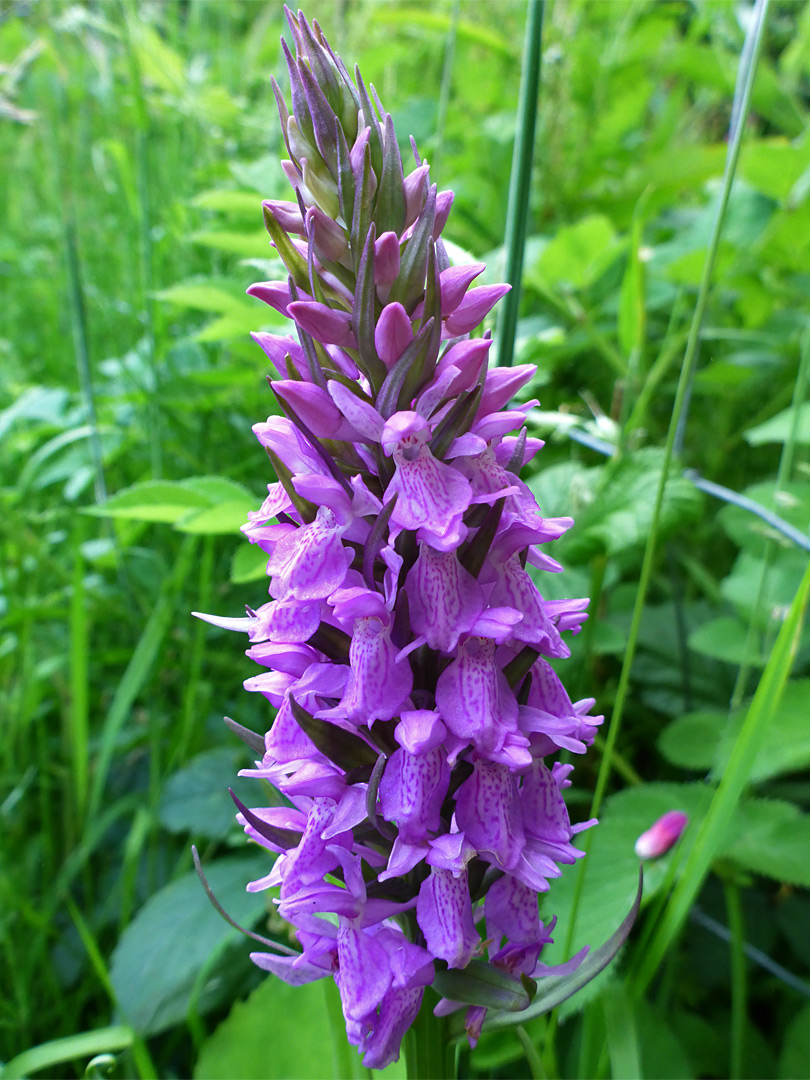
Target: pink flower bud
[{"x": 666, "y": 832}]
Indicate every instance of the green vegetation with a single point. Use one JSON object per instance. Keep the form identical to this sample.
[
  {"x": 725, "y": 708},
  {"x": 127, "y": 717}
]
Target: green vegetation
[{"x": 137, "y": 143}]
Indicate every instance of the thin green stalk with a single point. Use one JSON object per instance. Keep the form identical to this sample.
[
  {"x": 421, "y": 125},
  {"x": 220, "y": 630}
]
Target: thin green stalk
[
  {"x": 687, "y": 368},
  {"x": 446, "y": 85},
  {"x": 738, "y": 979},
  {"x": 532, "y": 1056},
  {"x": 145, "y": 253},
  {"x": 782, "y": 478},
  {"x": 429, "y": 1052},
  {"x": 622, "y": 1037},
  {"x": 77, "y": 719},
  {"x": 78, "y": 316},
  {"x": 138, "y": 669},
  {"x": 714, "y": 828},
  {"x": 517, "y": 211},
  {"x": 689, "y": 362}
]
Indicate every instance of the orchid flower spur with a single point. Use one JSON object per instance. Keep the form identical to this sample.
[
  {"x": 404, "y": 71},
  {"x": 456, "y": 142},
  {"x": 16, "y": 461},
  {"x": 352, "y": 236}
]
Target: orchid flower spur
[{"x": 404, "y": 644}]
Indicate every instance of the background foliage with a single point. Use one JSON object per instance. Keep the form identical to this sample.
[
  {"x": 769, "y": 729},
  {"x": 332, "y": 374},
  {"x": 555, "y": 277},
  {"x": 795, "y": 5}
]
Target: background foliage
[{"x": 141, "y": 138}]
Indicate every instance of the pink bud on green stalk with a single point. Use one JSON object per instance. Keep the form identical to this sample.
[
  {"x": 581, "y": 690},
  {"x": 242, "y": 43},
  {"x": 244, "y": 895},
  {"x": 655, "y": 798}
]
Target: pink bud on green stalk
[{"x": 661, "y": 836}]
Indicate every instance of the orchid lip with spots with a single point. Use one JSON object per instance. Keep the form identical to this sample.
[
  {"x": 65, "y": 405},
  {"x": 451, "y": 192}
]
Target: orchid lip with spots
[{"x": 405, "y": 644}]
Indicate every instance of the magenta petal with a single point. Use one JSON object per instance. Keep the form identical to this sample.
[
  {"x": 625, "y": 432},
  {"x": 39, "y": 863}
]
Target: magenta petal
[
  {"x": 444, "y": 599},
  {"x": 420, "y": 730},
  {"x": 328, "y": 325},
  {"x": 286, "y": 968},
  {"x": 393, "y": 333},
  {"x": 381, "y": 1046},
  {"x": 412, "y": 791},
  {"x": 386, "y": 260},
  {"x": 377, "y": 684},
  {"x": 444, "y": 914},
  {"x": 489, "y": 811},
  {"x": 511, "y": 911},
  {"x": 472, "y": 309},
  {"x": 364, "y": 975},
  {"x": 454, "y": 283},
  {"x": 310, "y": 563},
  {"x": 474, "y": 698}
]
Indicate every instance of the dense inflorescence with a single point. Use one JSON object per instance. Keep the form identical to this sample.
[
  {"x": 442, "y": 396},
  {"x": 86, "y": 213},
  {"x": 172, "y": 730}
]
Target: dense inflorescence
[{"x": 405, "y": 643}]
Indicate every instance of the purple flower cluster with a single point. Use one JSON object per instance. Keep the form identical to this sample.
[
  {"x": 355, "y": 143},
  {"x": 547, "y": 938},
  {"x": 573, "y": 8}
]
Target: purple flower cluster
[{"x": 405, "y": 645}]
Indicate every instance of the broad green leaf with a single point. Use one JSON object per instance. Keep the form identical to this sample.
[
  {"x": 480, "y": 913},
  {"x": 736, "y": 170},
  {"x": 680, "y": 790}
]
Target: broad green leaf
[
  {"x": 249, "y": 564},
  {"x": 773, "y": 166},
  {"x": 282, "y": 1032},
  {"x": 219, "y": 520},
  {"x": 741, "y": 587},
  {"x": 704, "y": 740},
  {"x": 195, "y": 800},
  {"x": 722, "y": 639},
  {"x": 243, "y": 203},
  {"x": 245, "y": 244},
  {"x": 153, "y": 500},
  {"x": 617, "y": 503},
  {"x": 208, "y": 296},
  {"x": 791, "y": 502},
  {"x": 794, "y": 1061},
  {"x": 691, "y": 741},
  {"x": 779, "y": 427},
  {"x": 160, "y": 954},
  {"x": 771, "y": 838},
  {"x": 577, "y": 255}
]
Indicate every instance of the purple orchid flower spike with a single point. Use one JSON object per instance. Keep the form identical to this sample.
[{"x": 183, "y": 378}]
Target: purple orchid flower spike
[{"x": 424, "y": 810}]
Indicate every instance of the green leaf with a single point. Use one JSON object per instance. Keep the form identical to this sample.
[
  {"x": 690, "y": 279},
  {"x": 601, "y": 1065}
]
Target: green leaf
[
  {"x": 617, "y": 502},
  {"x": 722, "y": 639},
  {"x": 577, "y": 255},
  {"x": 791, "y": 502},
  {"x": 195, "y": 801},
  {"x": 662, "y": 1055},
  {"x": 794, "y": 1061},
  {"x": 772, "y": 838},
  {"x": 705, "y": 740},
  {"x": 222, "y": 519},
  {"x": 153, "y": 500},
  {"x": 176, "y": 932},
  {"x": 741, "y": 587},
  {"x": 200, "y": 504},
  {"x": 249, "y": 564},
  {"x": 779, "y": 427},
  {"x": 691, "y": 741},
  {"x": 240, "y": 1046},
  {"x": 242, "y": 203},
  {"x": 211, "y": 296},
  {"x": 248, "y": 245}
]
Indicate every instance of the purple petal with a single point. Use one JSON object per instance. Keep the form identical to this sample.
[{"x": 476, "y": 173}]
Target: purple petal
[{"x": 444, "y": 914}]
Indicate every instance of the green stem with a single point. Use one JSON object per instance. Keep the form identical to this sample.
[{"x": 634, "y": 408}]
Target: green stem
[
  {"x": 738, "y": 979},
  {"x": 684, "y": 382},
  {"x": 429, "y": 1052},
  {"x": 532, "y": 1056},
  {"x": 517, "y": 212},
  {"x": 782, "y": 478}
]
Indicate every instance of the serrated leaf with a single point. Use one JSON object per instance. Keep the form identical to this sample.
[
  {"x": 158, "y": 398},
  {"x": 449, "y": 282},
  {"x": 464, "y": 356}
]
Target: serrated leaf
[
  {"x": 195, "y": 801},
  {"x": 577, "y": 255},
  {"x": 772, "y": 838},
  {"x": 153, "y": 500},
  {"x": 691, "y": 741},
  {"x": 219, "y": 520},
  {"x": 160, "y": 954},
  {"x": 617, "y": 505},
  {"x": 778, "y": 429},
  {"x": 794, "y": 1061},
  {"x": 723, "y": 639},
  {"x": 791, "y": 502},
  {"x": 249, "y": 564}
]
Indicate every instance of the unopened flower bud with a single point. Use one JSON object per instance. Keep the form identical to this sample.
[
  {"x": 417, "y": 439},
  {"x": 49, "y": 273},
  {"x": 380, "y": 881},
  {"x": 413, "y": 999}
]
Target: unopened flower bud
[{"x": 661, "y": 836}]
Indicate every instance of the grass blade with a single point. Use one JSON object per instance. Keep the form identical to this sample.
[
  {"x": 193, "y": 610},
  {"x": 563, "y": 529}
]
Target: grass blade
[
  {"x": 85, "y": 1045},
  {"x": 762, "y": 712},
  {"x": 517, "y": 214}
]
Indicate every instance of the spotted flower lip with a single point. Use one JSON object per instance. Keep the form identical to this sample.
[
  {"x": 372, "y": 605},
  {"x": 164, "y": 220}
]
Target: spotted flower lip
[{"x": 404, "y": 645}]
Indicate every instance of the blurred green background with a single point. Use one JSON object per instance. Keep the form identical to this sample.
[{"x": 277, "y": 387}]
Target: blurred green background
[{"x": 137, "y": 141}]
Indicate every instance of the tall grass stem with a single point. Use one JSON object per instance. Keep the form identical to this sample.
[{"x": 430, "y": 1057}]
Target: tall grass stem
[{"x": 518, "y": 207}]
